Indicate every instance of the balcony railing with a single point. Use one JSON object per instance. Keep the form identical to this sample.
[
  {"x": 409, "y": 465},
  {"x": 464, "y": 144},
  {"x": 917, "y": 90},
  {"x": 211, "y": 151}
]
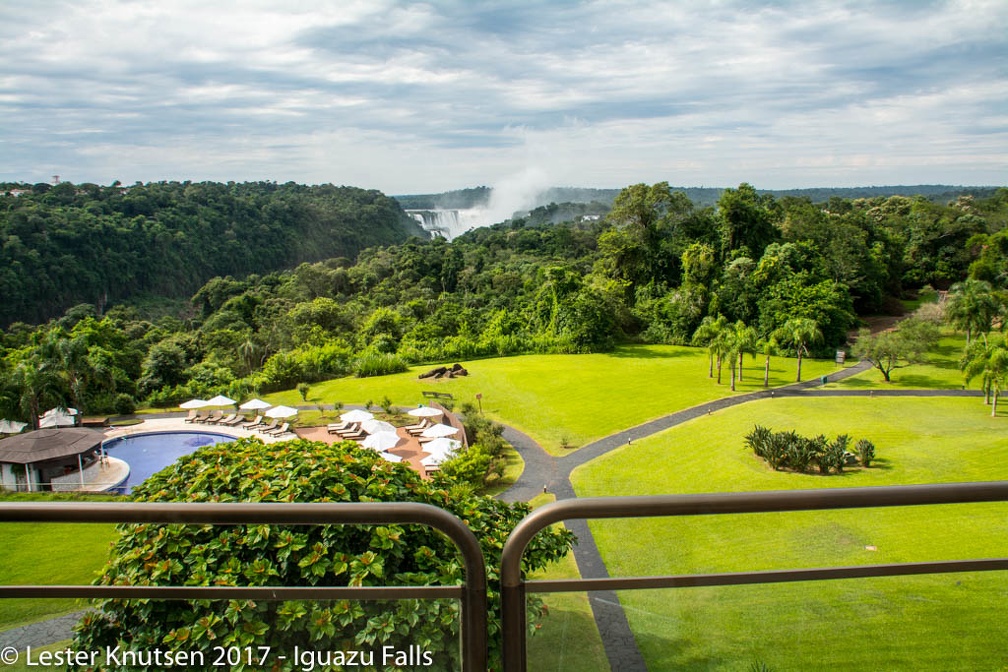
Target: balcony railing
[{"x": 473, "y": 593}]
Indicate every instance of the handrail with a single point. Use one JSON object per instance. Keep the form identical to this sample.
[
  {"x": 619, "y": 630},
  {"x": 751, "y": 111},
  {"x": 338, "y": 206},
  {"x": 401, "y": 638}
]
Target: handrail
[
  {"x": 473, "y": 593},
  {"x": 514, "y": 588}
]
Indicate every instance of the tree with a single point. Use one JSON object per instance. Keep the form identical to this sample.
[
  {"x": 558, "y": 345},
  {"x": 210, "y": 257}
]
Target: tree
[
  {"x": 747, "y": 220},
  {"x": 708, "y": 334},
  {"x": 336, "y": 555},
  {"x": 989, "y": 360},
  {"x": 972, "y": 307},
  {"x": 769, "y": 347},
  {"x": 800, "y": 332},
  {"x": 898, "y": 348}
]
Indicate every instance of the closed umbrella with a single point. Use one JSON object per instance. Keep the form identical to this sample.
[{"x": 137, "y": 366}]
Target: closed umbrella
[
  {"x": 374, "y": 426},
  {"x": 194, "y": 403},
  {"x": 381, "y": 441},
  {"x": 11, "y": 426},
  {"x": 255, "y": 405},
  {"x": 439, "y": 430},
  {"x": 281, "y": 412},
  {"x": 425, "y": 412},
  {"x": 356, "y": 415}
]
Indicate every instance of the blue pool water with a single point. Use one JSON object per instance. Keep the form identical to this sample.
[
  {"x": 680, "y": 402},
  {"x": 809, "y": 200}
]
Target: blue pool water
[{"x": 147, "y": 454}]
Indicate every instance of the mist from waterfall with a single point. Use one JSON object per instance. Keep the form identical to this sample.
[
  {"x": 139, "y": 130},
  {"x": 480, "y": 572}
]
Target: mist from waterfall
[{"x": 516, "y": 194}]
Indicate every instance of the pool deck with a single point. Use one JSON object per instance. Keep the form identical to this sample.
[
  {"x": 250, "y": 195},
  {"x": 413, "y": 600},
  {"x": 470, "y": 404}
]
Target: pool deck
[{"x": 180, "y": 425}]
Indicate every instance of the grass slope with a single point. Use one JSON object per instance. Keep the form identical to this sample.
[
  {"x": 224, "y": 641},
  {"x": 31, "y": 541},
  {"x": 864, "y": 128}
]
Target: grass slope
[
  {"x": 931, "y": 622},
  {"x": 579, "y": 398}
]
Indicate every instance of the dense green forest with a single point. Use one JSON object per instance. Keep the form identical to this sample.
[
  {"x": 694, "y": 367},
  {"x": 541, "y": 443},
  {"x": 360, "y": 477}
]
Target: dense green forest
[
  {"x": 82, "y": 243},
  {"x": 753, "y": 273}
]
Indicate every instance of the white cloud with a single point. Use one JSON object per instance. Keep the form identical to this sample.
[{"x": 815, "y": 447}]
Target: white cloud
[{"x": 427, "y": 97}]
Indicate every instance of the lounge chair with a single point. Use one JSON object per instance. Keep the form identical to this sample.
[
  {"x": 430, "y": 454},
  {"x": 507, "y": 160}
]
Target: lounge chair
[
  {"x": 337, "y": 427},
  {"x": 351, "y": 429},
  {"x": 233, "y": 422},
  {"x": 417, "y": 429},
  {"x": 254, "y": 423},
  {"x": 193, "y": 414},
  {"x": 212, "y": 418},
  {"x": 282, "y": 429},
  {"x": 225, "y": 420},
  {"x": 360, "y": 435},
  {"x": 270, "y": 427}
]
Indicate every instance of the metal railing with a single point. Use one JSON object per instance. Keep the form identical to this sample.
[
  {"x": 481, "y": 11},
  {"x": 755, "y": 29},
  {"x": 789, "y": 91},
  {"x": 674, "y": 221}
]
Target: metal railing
[
  {"x": 472, "y": 594},
  {"x": 514, "y": 588}
]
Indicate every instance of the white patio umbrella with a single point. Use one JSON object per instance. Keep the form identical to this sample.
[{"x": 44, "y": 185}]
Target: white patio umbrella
[
  {"x": 11, "y": 426},
  {"x": 281, "y": 412},
  {"x": 381, "y": 441},
  {"x": 255, "y": 405},
  {"x": 441, "y": 446},
  {"x": 389, "y": 457},
  {"x": 356, "y": 415},
  {"x": 58, "y": 417},
  {"x": 424, "y": 412},
  {"x": 439, "y": 430},
  {"x": 374, "y": 426},
  {"x": 435, "y": 460},
  {"x": 194, "y": 403},
  {"x": 220, "y": 400}
]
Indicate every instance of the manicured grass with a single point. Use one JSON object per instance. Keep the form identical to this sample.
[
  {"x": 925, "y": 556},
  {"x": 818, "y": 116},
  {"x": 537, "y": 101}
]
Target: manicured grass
[
  {"x": 579, "y": 398},
  {"x": 940, "y": 371},
  {"x": 49, "y": 554},
  {"x": 929, "y": 622}
]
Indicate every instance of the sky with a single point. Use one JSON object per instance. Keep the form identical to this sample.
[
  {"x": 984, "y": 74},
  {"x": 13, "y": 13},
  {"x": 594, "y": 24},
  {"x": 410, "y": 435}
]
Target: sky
[{"x": 428, "y": 97}]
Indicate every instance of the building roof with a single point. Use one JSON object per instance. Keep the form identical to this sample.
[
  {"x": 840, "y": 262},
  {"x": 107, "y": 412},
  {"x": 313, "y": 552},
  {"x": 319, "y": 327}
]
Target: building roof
[{"x": 49, "y": 444}]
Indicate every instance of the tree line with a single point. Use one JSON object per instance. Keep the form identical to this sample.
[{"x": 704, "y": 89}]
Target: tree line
[
  {"x": 754, "y": 275},
  {"x": 70, "y": 243}
]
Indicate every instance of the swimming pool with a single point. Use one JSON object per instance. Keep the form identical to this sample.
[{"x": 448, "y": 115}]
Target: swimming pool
[{"x": 147, "y": 454}]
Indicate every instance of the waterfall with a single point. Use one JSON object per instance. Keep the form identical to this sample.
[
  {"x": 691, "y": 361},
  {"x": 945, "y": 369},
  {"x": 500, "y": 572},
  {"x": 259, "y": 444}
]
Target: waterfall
[{"x": 451, "y": 223}]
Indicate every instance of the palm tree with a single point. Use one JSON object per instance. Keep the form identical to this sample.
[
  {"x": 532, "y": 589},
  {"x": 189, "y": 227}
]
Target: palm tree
[
  {"x": 972, "y": 307},
  {"x": 989, "y": 360},
  {"x": 707, "y": 335},
  {"x": 800, "y": 332},
  {"x": 746, "y": 340},
  {"x": 769, "y": 347}
]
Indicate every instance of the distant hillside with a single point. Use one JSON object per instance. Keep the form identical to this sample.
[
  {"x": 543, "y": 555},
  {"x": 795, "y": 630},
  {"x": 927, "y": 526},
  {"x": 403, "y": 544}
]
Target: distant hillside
[
  {"x": 70, "y": 244},
  {"x": 463, "y": 199}
]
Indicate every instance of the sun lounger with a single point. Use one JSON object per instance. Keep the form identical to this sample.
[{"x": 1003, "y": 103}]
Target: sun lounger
[
  {"x": 254, "y": 423},
  {"x": 337, "y": 427},
  {"x": 212, "y": 418},
  {"x": 282, "y": 429},
  {"x": 351, "y": 430},
  {"x": 417, "y": 430},
  {"x": 192, "y": 416},
  {"x": 270, "y": 427},
  {"x": 223, "y": 420},
  {"x": 422, "y": 425},
  {"x": 359, "y": 436},
  {"x": 233, "y": 422}
]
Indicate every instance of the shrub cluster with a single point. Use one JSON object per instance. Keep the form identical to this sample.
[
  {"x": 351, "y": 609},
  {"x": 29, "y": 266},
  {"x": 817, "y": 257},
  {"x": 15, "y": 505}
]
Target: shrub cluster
[{"x": 790, "y": 450}]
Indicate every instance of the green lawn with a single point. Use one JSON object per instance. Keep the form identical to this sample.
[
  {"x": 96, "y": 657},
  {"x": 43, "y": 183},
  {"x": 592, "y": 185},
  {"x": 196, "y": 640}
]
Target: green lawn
[
  {"x": 577, "y": 398},
  {"x": 939, "y": 371},
  {"x": 931, "y": 622},
  {"x": 49, "y": 554}
]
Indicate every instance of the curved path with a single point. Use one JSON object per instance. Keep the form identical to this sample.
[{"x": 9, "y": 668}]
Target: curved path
[{"x": 543, "y": 470}]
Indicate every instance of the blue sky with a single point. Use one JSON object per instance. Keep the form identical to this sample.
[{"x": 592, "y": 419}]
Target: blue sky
[{"x": 427, "y": 97}]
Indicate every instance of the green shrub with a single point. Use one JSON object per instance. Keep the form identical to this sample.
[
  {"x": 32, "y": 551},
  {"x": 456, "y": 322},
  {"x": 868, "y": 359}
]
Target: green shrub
[
  {"x": 865, "y": 451},
  {"x": 378, "y": 364},
  {"x": 303, "y": 389}
]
